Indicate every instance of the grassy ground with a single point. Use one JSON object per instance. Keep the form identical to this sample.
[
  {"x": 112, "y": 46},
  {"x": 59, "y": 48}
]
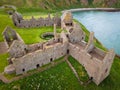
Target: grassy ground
[
  {"x": 11, "y": 76},
  {"x": 31, "y": 35},
  {"x": 59, "y": 77},
  {"x": 112, "y": 82},
  {"x": 79, "y": 68},
  {"x": 3, "y": 61}
]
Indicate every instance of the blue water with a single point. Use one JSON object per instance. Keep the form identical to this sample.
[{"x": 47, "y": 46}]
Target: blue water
[{"x": 105, "y": 25}]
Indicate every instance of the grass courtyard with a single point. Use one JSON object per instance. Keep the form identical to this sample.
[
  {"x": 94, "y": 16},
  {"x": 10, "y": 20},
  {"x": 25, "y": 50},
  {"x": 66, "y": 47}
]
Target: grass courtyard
[{"x": 59, "y": 77}]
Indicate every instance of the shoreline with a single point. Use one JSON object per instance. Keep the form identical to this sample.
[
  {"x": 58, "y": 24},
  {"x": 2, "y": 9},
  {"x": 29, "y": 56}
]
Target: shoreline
[
  {"x": 118, "y": 56},
  {"x": 94, "y": 9}
]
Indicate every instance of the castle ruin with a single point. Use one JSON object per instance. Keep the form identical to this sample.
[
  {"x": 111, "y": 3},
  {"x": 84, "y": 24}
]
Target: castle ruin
[
  {"x": 24, "y": 57},
  {"x": 40, "y": 22}
]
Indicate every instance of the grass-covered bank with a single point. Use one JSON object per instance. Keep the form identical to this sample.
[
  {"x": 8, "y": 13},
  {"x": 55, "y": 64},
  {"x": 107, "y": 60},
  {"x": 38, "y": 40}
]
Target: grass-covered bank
[{"x": 87, "y": 33}]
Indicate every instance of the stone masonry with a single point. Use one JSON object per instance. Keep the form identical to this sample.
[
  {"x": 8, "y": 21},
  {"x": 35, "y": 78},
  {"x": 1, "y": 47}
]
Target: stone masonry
[
  {"x": 10, "y": 35},
  {"x": 40, "y": 22},
  {"x": 96, "y": 62}
]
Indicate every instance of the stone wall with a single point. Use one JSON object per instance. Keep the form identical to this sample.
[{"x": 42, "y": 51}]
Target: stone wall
[
  {"x": 36, "y": 57},
  {"x": 90, "y": 44},
  {"x": 39, "y": 57},
  {"x": 76, "y": 34},
  {"x": 17, "y": 49},
  {"x": 95, "y": 67},
  {"x": 40, "y": 22},
  {"x": 96, "y": 62},
  {"x": 34, "y": 47},
  {"x": 10, "y": 35},
  {"x": 107, "y": 63},
  {"x": 66, "y": 20}
]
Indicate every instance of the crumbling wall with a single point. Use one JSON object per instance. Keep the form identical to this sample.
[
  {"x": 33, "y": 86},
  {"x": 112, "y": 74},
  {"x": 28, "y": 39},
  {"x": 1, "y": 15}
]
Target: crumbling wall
[
  {"x": 91, "y": 64},
  {"x": 76, "y": 34},
  {"x": 10, "y": 35},
  {"x": 17, "y": 18},
  {"x": 40, "y": 57},
  {"x": 93, "y": 59},
  {"x": 34, "y": 47},
  {"x": 106, "y": 66},
  {"x": 90, "y": 44},
  {"x": 97, "y": 65},
  {"x": 66, "y": 20},
  {"x": 17, "y": 49},
  {"x": 22, "y": 23}
]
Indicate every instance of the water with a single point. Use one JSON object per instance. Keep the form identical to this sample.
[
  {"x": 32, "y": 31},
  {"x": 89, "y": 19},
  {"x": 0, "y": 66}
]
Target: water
[{"x": 105, "y": 25}]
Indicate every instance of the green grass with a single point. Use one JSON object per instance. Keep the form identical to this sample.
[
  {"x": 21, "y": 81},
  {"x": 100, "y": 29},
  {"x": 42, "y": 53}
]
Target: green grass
[
  {"x": 60, "y": 77},
  {"x": 32, "y": 35},
  {"x": 112, "y": 82},
  {"x": 4, "y": 21},
  {"x": 10, "y": 76},
  {"x": 29, "y": 35},
  {"x": 3, "y": 61},
  {"x": 79, "y": 69}
]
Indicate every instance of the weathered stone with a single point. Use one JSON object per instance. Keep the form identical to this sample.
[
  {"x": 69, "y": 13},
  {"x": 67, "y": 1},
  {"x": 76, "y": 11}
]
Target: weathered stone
[
  {"x": 22, "y": 23},
  {"x": 90, "y": 44},
  {"x": 17, "y": 49},
  {"x": 66, "y": 19},
  {"x": 10, "y": 35},
  {"x": 76, "y": 34},
  {"x": 17, "y": 18},
  {"x": 9, "y": 69}
]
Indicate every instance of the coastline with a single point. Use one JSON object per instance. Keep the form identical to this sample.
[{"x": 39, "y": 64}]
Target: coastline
[
  {"x": 118, "y": 56},
  {"x": 94, "y": 9}
]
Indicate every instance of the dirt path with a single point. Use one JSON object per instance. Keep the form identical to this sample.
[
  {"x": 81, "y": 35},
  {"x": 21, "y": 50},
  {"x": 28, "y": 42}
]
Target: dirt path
[{"x": 3, "y": 48}]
